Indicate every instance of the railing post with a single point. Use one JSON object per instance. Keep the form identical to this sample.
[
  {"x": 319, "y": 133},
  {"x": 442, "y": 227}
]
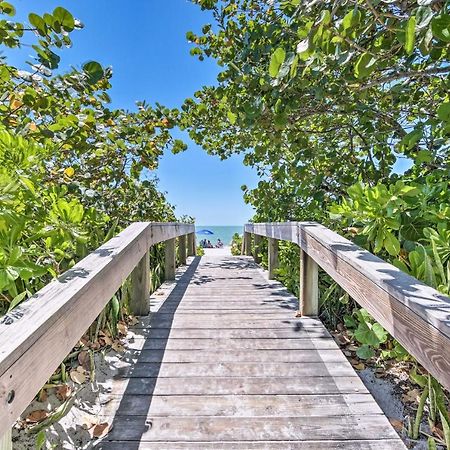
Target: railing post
[
  {"x": 169, "y": 266},
  {"x": 182, "y": 249},
  {"x": 256, "y": 256},
  {"x": 6, "y": 441},
  {"x": 247, "y": 244},
  {"x": 140, "y": 288},
  {"x": 191, "y": 244},
  {"x": 273, "y": 257},
  {"x": 309, "y": 285}
]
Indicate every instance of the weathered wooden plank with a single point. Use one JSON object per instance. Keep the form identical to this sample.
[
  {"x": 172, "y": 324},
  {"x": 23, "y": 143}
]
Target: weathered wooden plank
[
  {"x": 31, "y": 335},
  {"x": 6, "y": 441},
  {"x": 283, "y": 231},
  {"x": 233, "y": 344},
  {"x": 169, "y": 429},
  {"x": 182, "y": 250},
  {"x": 230, "y": 369},
  {"x": 140, "y": 287},
  {"x": 247, "y": 243},
  {"x": 211, "y": 308},
  {"x": 385, "y": 444},
  {"x": 241, "y": 405},
  {"x": 238, "y": 356},
  {"x": 309, "y": 285},
  {"x": 272, "y": 257},
  {"x": 257, "y": 241},
  {"x": 191, "y": 244},
  {"x": 234, "y": 333},
  {"x": 169, "y": 259},
  {"x": 213, "y": 321},
  {"x": 199, "y": 386}
]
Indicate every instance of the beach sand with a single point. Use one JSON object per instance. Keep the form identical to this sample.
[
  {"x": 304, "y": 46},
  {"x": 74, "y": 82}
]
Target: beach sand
[{"x": 224, "y": 251}]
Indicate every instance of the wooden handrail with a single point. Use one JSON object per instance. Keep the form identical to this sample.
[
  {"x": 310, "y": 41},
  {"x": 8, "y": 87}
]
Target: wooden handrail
[
  {"x": 36, "y": 336},
  {"x": 415, "y": 314}
]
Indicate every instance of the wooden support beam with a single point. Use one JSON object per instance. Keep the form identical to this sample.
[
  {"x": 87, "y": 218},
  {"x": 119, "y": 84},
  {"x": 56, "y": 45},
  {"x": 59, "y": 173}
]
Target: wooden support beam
[
  {"x": 182, "y": 250},
  {"x": 309, "y": 285},
  {"x": 192, "y": 251},
  {"x": 170, "y": 259},
  {"x": 273, "y": 257},
  {"x": 6, "y": 441},
  {"x": 140, "y": 287},
  {"x": 247, "y": 244},
  {"x": 257, "y": 248}
]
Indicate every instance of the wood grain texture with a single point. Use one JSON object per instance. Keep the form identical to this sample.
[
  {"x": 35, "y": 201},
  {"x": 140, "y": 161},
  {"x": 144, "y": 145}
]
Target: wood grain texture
[
  {"x": 224, "y": 363},
  {"x": 309, "y": 285},
  {"x": 169, "y": 259},
  {"x": 198, "y": 429},
  {"x": 247, "y": 243},
  {"x": 140, "y": 287},
  {"x": 414, "y": 313},
  {"x": 272, "y": 257},
  {"x": 365, "y": 444},
  {"x": 191, "y": 244},
  {"x": 34, "y": 340},
  {"x": 182, "y": 250},
  {"x": 257, "y": 241},
  {"x": 6, "y": 441}
]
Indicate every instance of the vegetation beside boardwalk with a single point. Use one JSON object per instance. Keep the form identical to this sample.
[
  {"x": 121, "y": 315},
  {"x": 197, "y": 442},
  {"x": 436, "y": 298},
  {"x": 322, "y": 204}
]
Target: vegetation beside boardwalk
[
  {"x": 73, "y": 173},
  {"x": 324, "y": 99}
]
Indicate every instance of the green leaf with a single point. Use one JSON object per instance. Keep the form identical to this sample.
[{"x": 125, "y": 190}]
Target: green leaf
[
  {"x": 64, "y": 18},
  {"x": 115, "y": 306},
  {"x": 423, "y": 156},
  {"x": 411, "y": 139},
  {"x": 38, "y": 23},
  {"x": 410, "y": 33},
  {"x": 440, "y": 27},
  {"x": 443, "y": 111},
  {"x": 7, "y": 8},
  {"x": 94, "y": 70},
  {"x": 364, "y": 66},
  {"x": 391, "y": 244},
  {"x": 232, "y": 117},
  {"x": 445, "y": 428},
  {"x": 278, "y": 57},
  {"x": 351, "y": 19},
  {"x": 16, "y": 300},
  {"x": 421, "y": 380},
  {"x": 431, "y": 443},
  {"x": 365, "y": 352},
  {"x": 40, "y": 440},
  {"x": 369, "y": 334}
]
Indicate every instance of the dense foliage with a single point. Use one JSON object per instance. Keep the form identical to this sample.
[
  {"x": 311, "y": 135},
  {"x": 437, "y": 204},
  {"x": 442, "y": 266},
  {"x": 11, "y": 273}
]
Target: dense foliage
[
  {"x": 73, "y": 171},
  {"x": 330, "y": 101}
]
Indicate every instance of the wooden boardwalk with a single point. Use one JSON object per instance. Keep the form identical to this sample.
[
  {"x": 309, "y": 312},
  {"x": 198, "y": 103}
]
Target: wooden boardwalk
[{"x": 224, "y": 364}]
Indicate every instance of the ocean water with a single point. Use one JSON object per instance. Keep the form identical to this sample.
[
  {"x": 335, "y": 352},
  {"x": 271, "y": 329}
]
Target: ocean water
[{"x": 222, "y": 232}]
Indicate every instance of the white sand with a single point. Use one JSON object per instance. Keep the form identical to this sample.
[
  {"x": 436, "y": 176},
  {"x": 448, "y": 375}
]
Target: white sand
[{"x": 224, "y": 251}]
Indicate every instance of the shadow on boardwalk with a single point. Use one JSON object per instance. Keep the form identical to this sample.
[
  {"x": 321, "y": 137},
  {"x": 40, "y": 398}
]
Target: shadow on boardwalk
[{"x": 135, "y": 385}]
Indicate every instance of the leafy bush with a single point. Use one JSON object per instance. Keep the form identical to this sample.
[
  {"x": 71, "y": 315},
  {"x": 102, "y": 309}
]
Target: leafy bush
[{"x": 236, "y": 244}]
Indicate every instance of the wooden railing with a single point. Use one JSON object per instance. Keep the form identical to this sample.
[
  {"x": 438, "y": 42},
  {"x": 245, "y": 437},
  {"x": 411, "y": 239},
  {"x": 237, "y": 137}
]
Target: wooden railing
[
  {"x": 36, "y": 336},
  {"x": 415, "y": 314}
]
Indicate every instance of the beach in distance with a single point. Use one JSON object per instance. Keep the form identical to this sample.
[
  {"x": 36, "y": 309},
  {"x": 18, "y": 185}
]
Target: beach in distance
[{"x": 222, "y": 232}]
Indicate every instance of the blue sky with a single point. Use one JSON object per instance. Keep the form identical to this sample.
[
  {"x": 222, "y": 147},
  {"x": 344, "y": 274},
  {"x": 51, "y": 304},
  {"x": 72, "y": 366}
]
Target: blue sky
[{"x": 144, "y": 41}]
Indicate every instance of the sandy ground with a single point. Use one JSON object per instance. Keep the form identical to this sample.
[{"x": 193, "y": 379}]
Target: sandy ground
[{"x": 225, "y": 251}]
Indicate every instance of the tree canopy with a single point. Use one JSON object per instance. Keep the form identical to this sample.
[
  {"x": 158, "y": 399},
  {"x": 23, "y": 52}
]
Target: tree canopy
[{"x": 320, "y": 95}]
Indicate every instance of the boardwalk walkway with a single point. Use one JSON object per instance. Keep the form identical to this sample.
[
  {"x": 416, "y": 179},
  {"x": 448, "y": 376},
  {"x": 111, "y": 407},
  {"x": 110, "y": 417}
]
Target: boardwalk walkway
[{"x": 225, "y": 364}]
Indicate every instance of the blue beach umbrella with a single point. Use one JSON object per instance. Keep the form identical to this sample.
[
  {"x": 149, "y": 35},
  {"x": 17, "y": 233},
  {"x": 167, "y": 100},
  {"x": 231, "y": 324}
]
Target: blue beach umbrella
[{"x": 205, "y": 232}]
